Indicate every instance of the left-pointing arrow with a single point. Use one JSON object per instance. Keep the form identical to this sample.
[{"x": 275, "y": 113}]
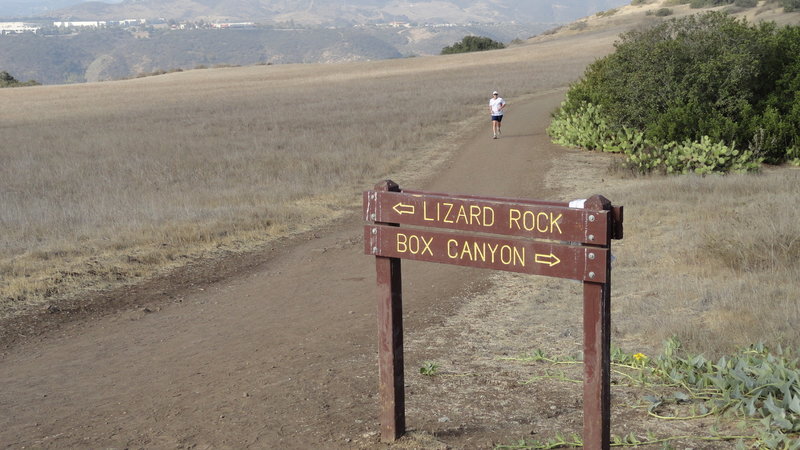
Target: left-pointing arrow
[
  {"x": 550, "y": 259},
  {"x": 401, "y": 208}
]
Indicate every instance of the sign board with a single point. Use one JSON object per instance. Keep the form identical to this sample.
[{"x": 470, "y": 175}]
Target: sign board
[
  {"x": 517, "y": 235},
  {"x": 473, "y": 250},
  {"x": 543, "y": 220}
]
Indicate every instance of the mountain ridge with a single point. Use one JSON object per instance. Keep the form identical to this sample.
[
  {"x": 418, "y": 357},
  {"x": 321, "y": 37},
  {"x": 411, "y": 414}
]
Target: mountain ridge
[
  {"x": 114, "y": 53},
  {"x": 351, "y": 12},
  {"x": 109, "y": 54}
]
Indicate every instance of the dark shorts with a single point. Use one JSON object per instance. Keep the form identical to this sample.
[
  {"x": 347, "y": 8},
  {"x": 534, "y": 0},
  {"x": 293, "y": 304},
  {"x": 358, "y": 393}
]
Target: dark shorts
[{"x": 497, "y": 118}]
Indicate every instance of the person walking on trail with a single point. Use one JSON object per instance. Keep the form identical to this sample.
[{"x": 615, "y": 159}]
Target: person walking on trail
[{"x": 496, "y": 107}]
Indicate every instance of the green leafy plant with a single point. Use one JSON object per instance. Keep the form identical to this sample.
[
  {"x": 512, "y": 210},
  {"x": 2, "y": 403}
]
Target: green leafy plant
[
  {"x": 587, "y": 127},
  {"x": 757, "y": 384},
  {"x": 429, "y": 368},
  {"x": 703, "y": 157}
]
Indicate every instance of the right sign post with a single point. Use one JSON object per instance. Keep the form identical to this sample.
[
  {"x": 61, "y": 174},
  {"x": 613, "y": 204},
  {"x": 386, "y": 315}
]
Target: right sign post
[{"x": 516, "y": 235}]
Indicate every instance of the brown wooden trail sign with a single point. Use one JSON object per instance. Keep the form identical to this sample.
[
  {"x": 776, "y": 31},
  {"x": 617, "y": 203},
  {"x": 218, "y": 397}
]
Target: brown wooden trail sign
[
  {"x": 546, "y": 238},
  {"x": 513, "y": 255}
]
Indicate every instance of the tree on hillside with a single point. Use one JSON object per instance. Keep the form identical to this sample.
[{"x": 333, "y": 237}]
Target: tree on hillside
[
  {"x": 472, "y": 44},
  {"x": 6, "y": 80}
]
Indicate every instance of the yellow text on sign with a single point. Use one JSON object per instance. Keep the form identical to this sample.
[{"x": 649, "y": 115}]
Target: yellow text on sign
[
  {"x": 462, "y": 249},
  {"x": 446, "y": 212},
  {"x": 416, "y": 245},
  {"x": 472, "y": 250},
  {"x": 541, "y": 221},
  {"x": 483, "y": 251},
  {"x": 483, "y": 215}
]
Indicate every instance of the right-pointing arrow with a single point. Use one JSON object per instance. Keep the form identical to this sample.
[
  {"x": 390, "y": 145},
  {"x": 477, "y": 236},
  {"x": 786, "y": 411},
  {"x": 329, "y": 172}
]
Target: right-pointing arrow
[{"x": 550, "y": 259}]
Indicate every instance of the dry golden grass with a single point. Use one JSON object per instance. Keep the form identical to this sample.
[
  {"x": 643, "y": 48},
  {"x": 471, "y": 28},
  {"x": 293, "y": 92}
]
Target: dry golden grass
[
  {"x": 721, "y": 256},
  {"x": 714, "y": 261},
  {"x": 109, "y": 183}
]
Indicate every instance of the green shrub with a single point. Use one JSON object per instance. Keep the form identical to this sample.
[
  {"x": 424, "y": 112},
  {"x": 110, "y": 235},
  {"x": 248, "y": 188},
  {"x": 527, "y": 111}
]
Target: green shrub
[
  {"x": 790, "y": 5},
  {"x": 707, "y": 75},
  {"x": 607, "y": 13},
  {"x": 472, "y": 44},
  {"x": 663, "y": 12},
  {"x": 793, "y": 156},
  {"x": 708, "y": 3},
  {"x": 579, "y": 26}
]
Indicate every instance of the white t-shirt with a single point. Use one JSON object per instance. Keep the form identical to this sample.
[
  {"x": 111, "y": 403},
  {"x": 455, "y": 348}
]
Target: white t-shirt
[{"x": 495, "y": 104}]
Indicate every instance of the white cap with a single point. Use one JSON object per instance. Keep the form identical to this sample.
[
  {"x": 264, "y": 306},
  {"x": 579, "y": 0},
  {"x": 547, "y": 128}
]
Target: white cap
[{"x": 494, "y": 93}]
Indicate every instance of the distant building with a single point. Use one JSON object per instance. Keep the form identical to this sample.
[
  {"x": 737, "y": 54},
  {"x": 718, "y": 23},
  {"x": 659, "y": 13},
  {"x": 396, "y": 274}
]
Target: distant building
[
  {"x": 128, "y": 22},
  {"x": 80, "y": 24},
  {"x": 18, "y": 27},
  {"x": 234, "y": 25}
]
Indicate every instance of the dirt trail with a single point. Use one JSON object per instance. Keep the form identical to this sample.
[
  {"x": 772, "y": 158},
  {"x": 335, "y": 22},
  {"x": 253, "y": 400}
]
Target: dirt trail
[{"x": 282, "y": 355}]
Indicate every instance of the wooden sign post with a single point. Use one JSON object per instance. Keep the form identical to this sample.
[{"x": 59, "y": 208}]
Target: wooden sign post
[{"x": 524, "y": 236}]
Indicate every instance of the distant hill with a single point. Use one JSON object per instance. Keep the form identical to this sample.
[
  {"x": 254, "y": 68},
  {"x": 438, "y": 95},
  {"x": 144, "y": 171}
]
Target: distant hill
[
  {"x": 111, "y": 54},
  {"x": 289, "y": 31},
  {"x": 107, "y": 54},
  {"x": 344, "y": 12}
]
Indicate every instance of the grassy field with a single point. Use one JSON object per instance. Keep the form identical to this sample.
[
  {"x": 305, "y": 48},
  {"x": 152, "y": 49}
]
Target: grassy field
[
  {"x": 723, "y": 258},
  {"x": 713, "y": 261},
  {"x": 112, "y": 183}
]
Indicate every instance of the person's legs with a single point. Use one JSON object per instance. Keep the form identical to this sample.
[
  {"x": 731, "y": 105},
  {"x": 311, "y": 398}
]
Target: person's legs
[{"x": 496, "y": 125}]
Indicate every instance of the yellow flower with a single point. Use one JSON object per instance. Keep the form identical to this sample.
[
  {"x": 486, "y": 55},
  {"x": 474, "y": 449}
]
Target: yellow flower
[{"x": 639, "y": 356}]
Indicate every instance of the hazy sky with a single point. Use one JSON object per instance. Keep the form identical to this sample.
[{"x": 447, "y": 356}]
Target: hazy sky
[{"x": 19, "y": 8}]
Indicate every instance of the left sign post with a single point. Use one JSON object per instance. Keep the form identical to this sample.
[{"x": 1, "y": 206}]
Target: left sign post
[{"x": 390, "y": 339}]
